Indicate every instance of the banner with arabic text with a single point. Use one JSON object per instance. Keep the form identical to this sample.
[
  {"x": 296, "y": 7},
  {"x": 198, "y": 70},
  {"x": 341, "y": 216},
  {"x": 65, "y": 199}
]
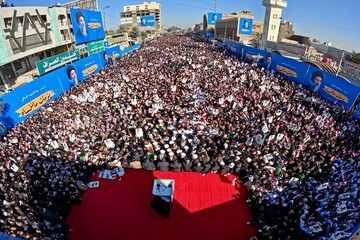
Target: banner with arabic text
[{"x": 54, "y": 62}]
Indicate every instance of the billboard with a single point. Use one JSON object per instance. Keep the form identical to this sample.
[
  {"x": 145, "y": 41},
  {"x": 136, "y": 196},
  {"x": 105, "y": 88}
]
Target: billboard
[
  {"x": 245, "y": 26},
  {"x": 87, "y": 25},
  {"x": 356, "y": 113},
  {"x": 289, "y": 68},
  {"x": 57, "y": 61},
  {"x": 335, "y": 90},
  {"x": 108, "y": 55},
  {"x": 95, "y": 46},
  {"x": 147, "y": 21},
  {"x": 213, "y": 17},
  {"x": 254, "y": 55}
]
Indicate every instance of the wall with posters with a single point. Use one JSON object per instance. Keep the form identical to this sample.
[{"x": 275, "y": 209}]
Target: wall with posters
[
  {"x": 26, "y": 100},
  {"x": 87, "y": 25},
  {"x": 333, "y": 89}
]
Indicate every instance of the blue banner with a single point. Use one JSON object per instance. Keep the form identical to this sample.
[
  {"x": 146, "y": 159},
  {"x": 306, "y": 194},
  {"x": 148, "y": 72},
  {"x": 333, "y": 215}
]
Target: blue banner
[
  {"x": 130, "y": 49},
  {"x": 254, "y": 55},
  {"x": 335, "y": 90},
  {"x": 87, "y": 25},
  {"x": 108, "y": 55},
  {"x": 208, "y": 35},
  {"x": 213, "y": 18},
  {"x": 290, "y": 68},
  {"x": 147, "y": 21},
  {"x": 356, "y": 114},
  {"x": 235, "y": 48},
  {"x": 26, "y": 100},
  {"x": 78, "y": 71},
  {"x": 245, "y": 26}
]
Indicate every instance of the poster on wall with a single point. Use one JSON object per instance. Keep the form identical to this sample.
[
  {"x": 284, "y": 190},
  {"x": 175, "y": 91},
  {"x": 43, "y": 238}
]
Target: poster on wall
[
  {"x": 356, "y": 113},
  {"x": 147, "y": 21},
  {"x": 254, "y": 55},
  {"x": 289, "y": 68},
  {"x": 87, "y": 25},
  {"x": 27, "y": 99},
  {"x": 73, "y": 74},
  {"x": 214, "y": 17},
  {"x": 54, "y": 62},
  {"x": 245, "y": 26},
  {"x": 334, "y": 89}
]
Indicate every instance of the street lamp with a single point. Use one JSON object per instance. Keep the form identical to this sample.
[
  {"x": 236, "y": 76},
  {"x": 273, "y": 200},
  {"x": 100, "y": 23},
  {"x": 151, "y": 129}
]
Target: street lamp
[{"x": 104, "y": 18}]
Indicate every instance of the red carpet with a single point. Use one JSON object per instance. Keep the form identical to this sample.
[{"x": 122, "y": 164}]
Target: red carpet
[{"x": 204, "y": 207}]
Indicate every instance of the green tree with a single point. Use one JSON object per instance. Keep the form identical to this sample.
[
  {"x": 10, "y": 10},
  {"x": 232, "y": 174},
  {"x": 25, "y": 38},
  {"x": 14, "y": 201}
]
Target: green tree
[
  {"x": 212, "y": 30},
  {"x": 121, "y": 29},
  {"x": 134, "y": 33},
  {"x": 144, "y": 35},
  {"x": 257, "y": 39},
  {"x": 353, "y": 57}
]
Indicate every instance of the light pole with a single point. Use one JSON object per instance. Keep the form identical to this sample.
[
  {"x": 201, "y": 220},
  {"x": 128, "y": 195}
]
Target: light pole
[{"x": 104, "y": 18}]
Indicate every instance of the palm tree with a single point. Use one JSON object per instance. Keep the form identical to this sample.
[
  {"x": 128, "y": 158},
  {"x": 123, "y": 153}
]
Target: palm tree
[{"x": 256, "y": 39}]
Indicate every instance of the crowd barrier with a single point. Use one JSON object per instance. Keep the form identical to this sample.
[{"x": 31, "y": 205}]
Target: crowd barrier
[
  {"x": 26, "y": 100},
  {"x": 335, "y": 90}
]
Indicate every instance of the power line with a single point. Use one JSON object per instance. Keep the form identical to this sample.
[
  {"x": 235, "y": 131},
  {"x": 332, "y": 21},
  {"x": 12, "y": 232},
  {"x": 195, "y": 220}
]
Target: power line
[{"x": 117, "y": 18}]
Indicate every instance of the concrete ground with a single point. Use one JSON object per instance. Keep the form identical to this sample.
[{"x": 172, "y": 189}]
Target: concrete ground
[{"x": 19, "y": 81}]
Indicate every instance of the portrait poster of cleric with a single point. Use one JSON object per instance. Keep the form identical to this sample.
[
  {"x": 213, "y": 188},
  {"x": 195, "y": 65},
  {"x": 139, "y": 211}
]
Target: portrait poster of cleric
[
  {"x": 147, "y": 21},
  {"x": 214, "y": 17},
  {"x": 87, "y": 25},
  {"x": 245, "y": 26}
]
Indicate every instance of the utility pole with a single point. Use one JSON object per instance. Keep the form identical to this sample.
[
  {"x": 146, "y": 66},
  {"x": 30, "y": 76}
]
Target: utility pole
[
  {"x": 104, "y": 18},
  {"x": 214, "y": 5},
  {"x": 341, "y": 60}
]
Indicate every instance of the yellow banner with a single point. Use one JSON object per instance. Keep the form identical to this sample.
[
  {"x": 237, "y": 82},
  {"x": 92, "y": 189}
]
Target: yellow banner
[
  {"x": 90, "y": 70},
  {"x": 336, "y": 94},
  {"x": 35, "y": 104}
]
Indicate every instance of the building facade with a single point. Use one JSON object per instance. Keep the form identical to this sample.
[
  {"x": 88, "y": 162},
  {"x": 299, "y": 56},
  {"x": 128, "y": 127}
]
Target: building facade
[
  {"x": 131, "y": 15},
  {"x": 272, "y": 20},
  {"x": 83, "y": 4},
  {"x": 286, "y": 30},
  {"x": 29, "y": 34},
  {"x": 229, "y": 28}
]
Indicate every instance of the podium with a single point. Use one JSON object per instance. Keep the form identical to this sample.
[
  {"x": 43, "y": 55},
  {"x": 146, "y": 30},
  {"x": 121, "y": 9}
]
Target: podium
[{"x": 164, "y": 188}]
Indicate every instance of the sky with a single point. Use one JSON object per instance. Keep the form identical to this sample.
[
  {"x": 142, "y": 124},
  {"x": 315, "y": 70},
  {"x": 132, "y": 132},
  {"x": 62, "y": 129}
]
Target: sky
[{"x": 335, "y": 21}]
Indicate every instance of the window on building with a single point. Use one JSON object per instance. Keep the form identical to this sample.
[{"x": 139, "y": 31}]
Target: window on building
[
  {"x": 20, "y": 20},
  {"x": 43, "y": 17},
  {"x": 61, "y": 20},
  {"x": 7, "y": 22},
  {"x": 146, "y": 7},
  {"x": 273, "y": 27},
  {"x": 17, "y": 65},
  {"x": 64, "y": 34},
  {"x": 275, "y": 16},
  {"x": 271, "y": 37}
]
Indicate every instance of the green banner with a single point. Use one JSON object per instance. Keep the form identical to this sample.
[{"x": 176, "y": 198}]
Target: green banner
[
  {"x": 57, "y": 61},
  {"x": 95, "y": 46}
]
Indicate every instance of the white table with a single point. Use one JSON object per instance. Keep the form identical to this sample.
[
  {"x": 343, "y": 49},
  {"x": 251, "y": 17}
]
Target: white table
[{"x": 164, "y": 188}]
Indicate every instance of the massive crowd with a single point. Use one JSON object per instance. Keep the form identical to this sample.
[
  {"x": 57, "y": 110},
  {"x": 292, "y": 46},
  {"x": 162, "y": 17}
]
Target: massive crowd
[{"x": 181, "y": 105}]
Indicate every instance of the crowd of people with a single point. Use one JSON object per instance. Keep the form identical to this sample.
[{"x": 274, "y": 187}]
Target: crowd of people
[{"x": 179, "y": 104}]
